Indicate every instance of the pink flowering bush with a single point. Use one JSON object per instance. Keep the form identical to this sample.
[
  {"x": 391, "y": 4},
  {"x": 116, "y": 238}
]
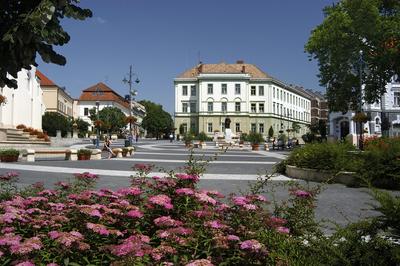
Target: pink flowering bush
[{"x": 155, "y": 221}]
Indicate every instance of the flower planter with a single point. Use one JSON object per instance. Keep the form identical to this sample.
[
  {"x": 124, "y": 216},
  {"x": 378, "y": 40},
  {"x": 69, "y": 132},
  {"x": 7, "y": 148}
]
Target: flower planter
[
  {"x": 8, "y": 159},
  {"x": 83, "y": 157},
  {"x": 255, "y": 147},
  {"x": 316, "y": 175}
]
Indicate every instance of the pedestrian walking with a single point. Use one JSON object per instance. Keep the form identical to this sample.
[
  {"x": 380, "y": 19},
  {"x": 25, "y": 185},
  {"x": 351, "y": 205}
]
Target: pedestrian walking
[
  {"x": 107, "y": 147},
  {"x": 171, "y": 137}
]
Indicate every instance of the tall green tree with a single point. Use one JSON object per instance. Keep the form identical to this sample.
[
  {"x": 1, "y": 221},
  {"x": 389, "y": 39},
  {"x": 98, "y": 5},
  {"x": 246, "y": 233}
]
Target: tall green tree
[
  {"x": 113, "y": 119},
  {"x": 28, "y": 28},
  {"x": 52, "y": 121},
  {"x": 351, "y": 26},
  {"x": 157, "y": 121}
]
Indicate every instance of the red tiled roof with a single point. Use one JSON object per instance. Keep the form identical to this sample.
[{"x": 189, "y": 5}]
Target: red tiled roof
[
  {"x": 105, "y": 94},
  {"x": 221, "y": 68},
  {"x": 44, "y": 81}
]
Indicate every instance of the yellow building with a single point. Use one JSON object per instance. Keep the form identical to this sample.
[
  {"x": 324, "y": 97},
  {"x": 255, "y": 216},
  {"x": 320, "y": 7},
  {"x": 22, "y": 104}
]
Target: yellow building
[{"x": 55, "y": 98}]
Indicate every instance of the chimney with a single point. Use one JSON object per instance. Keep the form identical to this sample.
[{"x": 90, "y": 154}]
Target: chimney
[
  {"x": 239, "y": 62},
  {"x": 200, "y": 68},
  {"x": 243, "y": 69}
]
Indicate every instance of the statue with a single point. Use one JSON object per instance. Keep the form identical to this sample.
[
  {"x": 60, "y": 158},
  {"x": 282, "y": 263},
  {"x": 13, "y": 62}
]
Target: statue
[{"x": 227, "y": 122}]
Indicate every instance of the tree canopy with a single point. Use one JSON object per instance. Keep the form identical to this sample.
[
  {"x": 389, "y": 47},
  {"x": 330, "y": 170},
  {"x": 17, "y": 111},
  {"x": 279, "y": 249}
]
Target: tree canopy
[
  {"x": 351, "y": 26},
  {"x": 52, "y": 121},
  {"x": 112, "y": 117},
  {"x": 28, "y": 28},
  {"x": 156, "y": 121}
]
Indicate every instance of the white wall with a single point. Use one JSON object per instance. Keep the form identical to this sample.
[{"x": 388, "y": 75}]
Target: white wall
[{"x": 24, "y": 104}]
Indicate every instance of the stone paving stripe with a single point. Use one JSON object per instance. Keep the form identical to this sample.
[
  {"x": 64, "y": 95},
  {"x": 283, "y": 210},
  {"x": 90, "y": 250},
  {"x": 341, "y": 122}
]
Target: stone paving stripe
[
  {"x": 54, "y": 169},
  {"x": 200, "y": 154},
  {"x": 183, "y": 161}
]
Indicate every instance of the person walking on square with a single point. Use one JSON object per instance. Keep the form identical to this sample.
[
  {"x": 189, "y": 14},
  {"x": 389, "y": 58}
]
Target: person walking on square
[
  {"x": 137, "y": 137},
  {"x": 107, "y": 147}
]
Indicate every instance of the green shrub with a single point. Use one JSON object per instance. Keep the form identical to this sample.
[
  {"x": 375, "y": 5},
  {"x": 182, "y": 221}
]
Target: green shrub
[
  {"x": 9, "y": 152},
  {"x": 255, "y": 138},
  {"x": 325, "y": 156},
  {"x": 84, "y": 152},
  {"x": 381, "y": 162},
  {"x": 202, "y": 136}
]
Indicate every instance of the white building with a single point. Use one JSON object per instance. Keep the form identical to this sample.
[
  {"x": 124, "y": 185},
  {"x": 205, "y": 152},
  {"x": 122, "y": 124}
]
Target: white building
[
  {"x": 207, "y": 94},
  {"x": 107, "y": 97},
  {"x": 25, "y": 104},
  {"x": 389, "y": 107}
]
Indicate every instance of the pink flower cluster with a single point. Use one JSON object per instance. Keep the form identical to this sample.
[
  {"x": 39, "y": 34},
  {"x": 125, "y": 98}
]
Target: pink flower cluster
[
  {"x": 9, "y": 176},
  {"x": 86, "y": 176},
  {"x": 161, "y": 200},
  {"x": 166, "y": 221},
  {"x": 192, "y": 178},
  {"x": 302, "y": 194}
]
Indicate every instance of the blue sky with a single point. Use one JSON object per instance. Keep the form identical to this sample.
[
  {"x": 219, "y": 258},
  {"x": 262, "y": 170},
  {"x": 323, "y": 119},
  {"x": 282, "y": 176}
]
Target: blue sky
[{"x": 163, "y": 38}]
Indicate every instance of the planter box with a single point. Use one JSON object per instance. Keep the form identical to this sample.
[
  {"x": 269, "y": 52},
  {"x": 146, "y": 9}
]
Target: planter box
[
  {"x": 82, "y": 157},
  {"x": 9, "y": 159},
  {"x": 314, "y": 175}
]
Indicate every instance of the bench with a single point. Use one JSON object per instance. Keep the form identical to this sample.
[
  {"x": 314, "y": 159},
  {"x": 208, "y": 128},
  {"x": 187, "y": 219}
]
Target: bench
[{"x": 69, "y": 154}]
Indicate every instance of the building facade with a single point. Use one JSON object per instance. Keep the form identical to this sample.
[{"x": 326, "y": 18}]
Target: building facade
[
  {"x": 207, "y": 94},
  {"x": 387, "y": 110},
  {"x": 106, "y": 97},
  {"x": 24, "y": 105},
  {"x": 55, "y": 98},
  {"x": 319, "y": 106}
]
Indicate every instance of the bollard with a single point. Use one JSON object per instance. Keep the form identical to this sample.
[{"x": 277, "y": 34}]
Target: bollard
[
  {"x": 117, "y": 152},
  {"x": 266, "y": 146},
  {"x": 96, "y": 154},
  {"x": 30, "y": 155},
  {"x": 71, "y": 155}
]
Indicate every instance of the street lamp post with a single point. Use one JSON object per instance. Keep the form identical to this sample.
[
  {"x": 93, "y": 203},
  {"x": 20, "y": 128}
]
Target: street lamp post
[
  {"x": 131, "y": 93},
  {"x": 361, "y": 127},
  {"x": 98, "y": 125}
]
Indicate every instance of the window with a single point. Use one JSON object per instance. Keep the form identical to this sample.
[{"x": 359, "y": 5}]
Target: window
[
  {"x": 193, "y": 127},
  {"x": 184, "y": 127},
  {"x": 273, "y": 108},
  {"x": 261, "y": 128},
  {"x": 253, "y": 127},
  {"x": 396, "y": 100},
  {"x": 209, "y": 127},
  {"x": 193, "y": 107},
  {"x": 261, "y": 90},
  {"x": 237, "y": 106},
  {"x": 210, "y": 88},
  {"x": 253, "y": 107},
  {"x": 224, "y": 107},
  {"x": 210, "y": 106},
  {"x": 237, "y": 127},
  {"x": 273, "y": 92},
  {"x": 253, "y": 90},
  {"x": 237, "y": 88},
  {"x": 184, "y": 107},
  {"x": 184, "y": 90},
  {"x": 284, "y": 96},
  {"x": 224, "y": 88},
  {"x": 261, "y": 108},
  {"x": 193, "y": 90},
  {"x": 86, "y": 111},
  {"x": 281, "y": 98}
]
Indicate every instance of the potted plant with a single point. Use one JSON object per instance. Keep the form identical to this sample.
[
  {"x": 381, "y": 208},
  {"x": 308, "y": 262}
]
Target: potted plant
[
  {"x": 21, "y": 126},
  {"x": 202, "y": 137},
  {"x": 360, "y": 117},
  {"x": 255, "y": 140},
  {"x": 9, "y": 155},
  {"x": 84, "y": 154},
  {"x": 188, "y": 138},
  {"x": 125, "y": 151}
]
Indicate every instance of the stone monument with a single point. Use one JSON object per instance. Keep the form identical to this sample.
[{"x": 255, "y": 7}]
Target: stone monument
[
  {"x": 228, "y": 131},
  {"x": 74, "y": 130}
]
